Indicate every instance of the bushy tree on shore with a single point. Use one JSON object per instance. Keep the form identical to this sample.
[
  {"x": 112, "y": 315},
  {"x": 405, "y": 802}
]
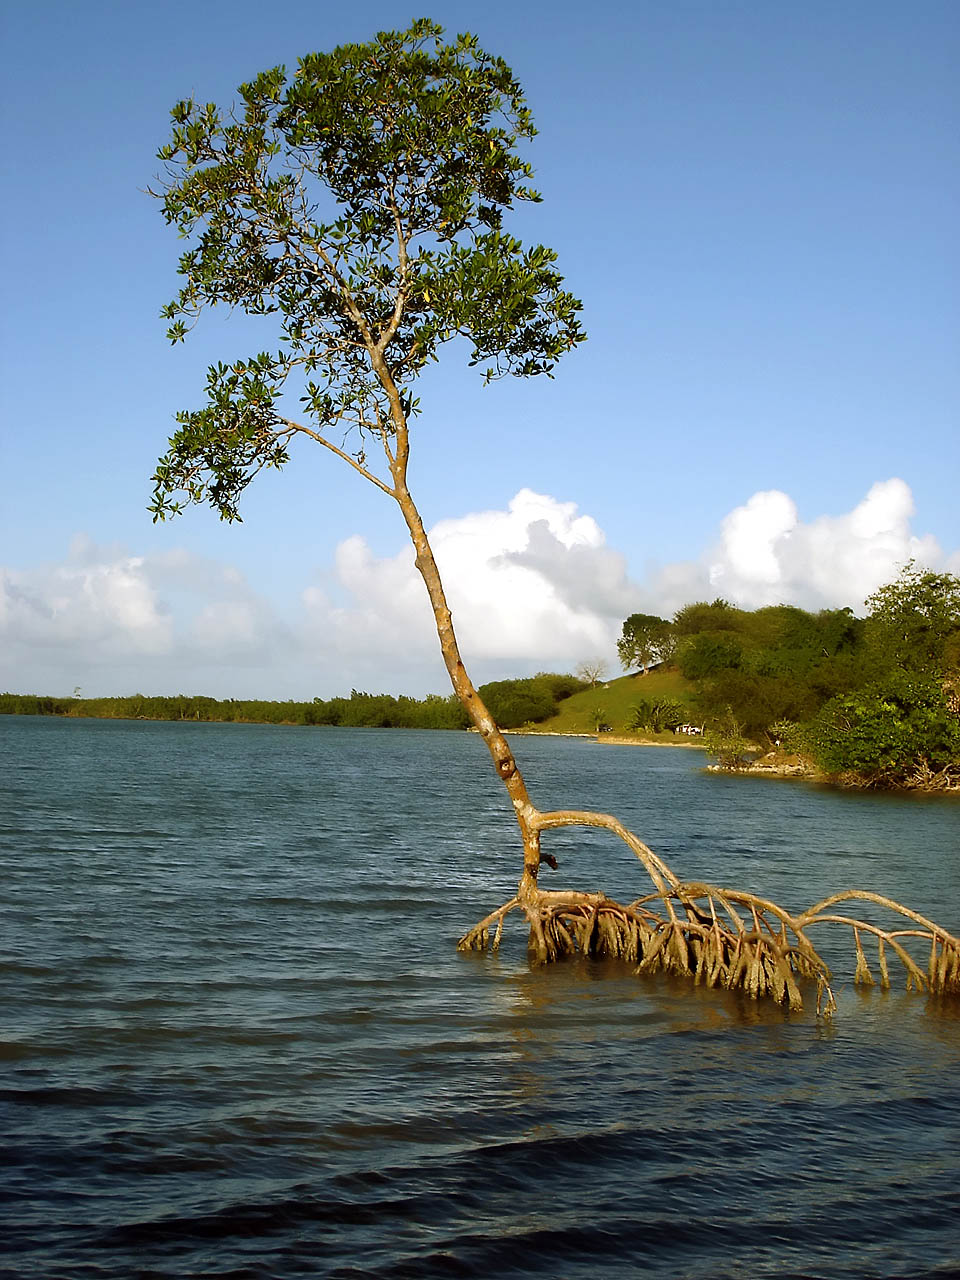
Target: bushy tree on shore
[
  {"x": 902, "y": 725},
  {"x": 915, "y": 620},
  {"x": 644, "y": 639},
  {"x": 888, "y": 731}
]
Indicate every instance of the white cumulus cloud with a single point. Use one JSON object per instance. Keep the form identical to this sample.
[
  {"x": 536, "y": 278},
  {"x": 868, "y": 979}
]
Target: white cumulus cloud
[
  {"x": 534, "y": 584},
  {"x": 89, "y": 601},
  {"x": 767, "y": 554},
  {"x": 531, "y": 587}
]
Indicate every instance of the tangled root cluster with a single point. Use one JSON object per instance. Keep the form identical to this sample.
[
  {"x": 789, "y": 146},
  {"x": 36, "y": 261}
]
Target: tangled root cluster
[{"x": 727, "y": 938}]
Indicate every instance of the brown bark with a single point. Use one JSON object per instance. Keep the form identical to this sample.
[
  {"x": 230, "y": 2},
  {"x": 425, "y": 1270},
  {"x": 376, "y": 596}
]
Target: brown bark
[
  {"x": 503, "y": 759},
  {"x": 506, "y": 766}
]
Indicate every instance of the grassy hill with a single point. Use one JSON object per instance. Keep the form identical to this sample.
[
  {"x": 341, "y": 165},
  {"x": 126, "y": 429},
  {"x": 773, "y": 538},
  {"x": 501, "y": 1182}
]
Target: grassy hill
[{"x": 613, "y": 700}]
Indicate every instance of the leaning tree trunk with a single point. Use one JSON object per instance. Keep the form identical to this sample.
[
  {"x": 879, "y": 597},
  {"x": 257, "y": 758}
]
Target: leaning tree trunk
[
  {"x": 721, "y": 937},
  {"x": 503, "y": 759}
]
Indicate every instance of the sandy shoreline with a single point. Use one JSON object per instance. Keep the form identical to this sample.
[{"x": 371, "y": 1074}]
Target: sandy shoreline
[
  {"x": 604, "y": 739},
  {"x": 783, "y": 770}
]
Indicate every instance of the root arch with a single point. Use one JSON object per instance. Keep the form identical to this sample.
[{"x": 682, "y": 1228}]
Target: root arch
[{"x": 717, "y": 936}]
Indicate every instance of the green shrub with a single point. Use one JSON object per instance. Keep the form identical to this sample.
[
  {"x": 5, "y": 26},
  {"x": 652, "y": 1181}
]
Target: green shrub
[
  {"x": 883, "y": 732},
  {"x": 728, "y": 746}
]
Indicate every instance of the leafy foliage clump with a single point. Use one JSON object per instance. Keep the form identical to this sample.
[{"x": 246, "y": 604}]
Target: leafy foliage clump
[
  {"x": 658, "y": 714},
  {"x": 728, "y": 745},
  {"x": 872, "y": 700},
  {"x": 360, "y": 204},
  {"x": 915, "y": 621},
  {"x": 514, "y": 703},
  {"x": 645, "y": 638},
  {"x": 886, "y": 730}
]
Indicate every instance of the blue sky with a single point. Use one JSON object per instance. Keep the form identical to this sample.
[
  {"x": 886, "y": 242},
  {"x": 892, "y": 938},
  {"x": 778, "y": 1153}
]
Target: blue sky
[{"x": 757, "y": 204}]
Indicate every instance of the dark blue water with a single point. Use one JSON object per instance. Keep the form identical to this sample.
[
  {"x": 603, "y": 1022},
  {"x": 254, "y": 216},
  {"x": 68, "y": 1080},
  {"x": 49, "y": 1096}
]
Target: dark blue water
[{"x": 237, "y": 1039}]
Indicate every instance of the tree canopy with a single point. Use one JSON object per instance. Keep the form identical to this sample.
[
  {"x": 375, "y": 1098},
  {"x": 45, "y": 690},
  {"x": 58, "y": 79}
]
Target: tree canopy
[
  {"x": 915, "y": 620},
  {"x": 360, "y": 203},
  {"x": 644, "y": 638},
  {"x": 514, "y": 703}
]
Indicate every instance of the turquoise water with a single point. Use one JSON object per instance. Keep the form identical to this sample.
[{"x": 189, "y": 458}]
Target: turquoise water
[{"x": 237, "y": 1039}]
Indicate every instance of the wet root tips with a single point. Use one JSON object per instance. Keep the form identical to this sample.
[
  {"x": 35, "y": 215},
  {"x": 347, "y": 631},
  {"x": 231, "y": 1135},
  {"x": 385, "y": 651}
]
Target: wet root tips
[{"x": 723, "y": 938}]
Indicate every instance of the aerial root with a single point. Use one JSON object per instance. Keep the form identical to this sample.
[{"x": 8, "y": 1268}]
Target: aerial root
[
  {"x": 720, "y": 937},
  {"x": 725, "y": 938},
  {"x": 942, "y": 973},
  {"x": 688, "y": 944},
  {"x": 478, "y": 938}
]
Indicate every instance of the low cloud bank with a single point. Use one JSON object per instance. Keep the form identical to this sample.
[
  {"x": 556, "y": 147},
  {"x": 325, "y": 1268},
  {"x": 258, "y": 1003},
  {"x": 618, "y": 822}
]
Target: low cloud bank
[
  {"x": 532, "y": 587},
  {"x": 767, "y": 554}
]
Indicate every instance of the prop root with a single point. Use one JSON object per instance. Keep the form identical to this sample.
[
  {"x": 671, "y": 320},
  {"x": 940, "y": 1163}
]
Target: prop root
[{"x": 720, "y": 937}]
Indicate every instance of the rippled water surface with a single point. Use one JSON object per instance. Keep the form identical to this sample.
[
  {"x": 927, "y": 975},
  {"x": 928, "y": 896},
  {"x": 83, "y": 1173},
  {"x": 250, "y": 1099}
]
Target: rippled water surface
[{"x": 237, "y": 1039}]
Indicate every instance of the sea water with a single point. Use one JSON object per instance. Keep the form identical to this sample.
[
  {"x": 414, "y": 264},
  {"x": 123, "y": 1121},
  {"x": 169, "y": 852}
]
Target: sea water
[{"x": 238, "y": 1040}]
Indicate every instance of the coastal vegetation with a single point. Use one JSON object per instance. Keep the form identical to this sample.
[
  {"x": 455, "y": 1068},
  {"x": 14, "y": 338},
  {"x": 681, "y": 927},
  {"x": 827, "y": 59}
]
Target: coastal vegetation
[
  {"x": 517, "y": 702},
  {"x": 360, "y": 710},
  {"x": 410, "y": 148},
  {"x": 868, "y": 701},
  {"x": 871, "y": 701}
]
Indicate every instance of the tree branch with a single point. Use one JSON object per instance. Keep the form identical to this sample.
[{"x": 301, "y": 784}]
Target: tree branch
[
  {"x": 404, "y": 265},
  {"x": 341, "y": 453},
  {"x": 658, "y": 870}
]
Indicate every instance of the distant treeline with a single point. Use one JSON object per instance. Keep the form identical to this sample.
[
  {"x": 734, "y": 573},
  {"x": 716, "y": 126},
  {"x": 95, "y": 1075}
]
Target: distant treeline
[
  {"x": 380, "y": 710},
  {"x": 516, "y": 701}
]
